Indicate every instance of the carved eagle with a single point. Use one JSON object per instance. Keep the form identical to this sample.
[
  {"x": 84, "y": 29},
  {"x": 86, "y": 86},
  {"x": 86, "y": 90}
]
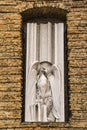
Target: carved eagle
[{"x": 45, "y": 76}]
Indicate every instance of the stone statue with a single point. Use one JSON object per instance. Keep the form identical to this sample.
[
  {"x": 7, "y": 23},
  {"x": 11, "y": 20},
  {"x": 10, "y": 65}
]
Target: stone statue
[{"x": 44, "y": 92}]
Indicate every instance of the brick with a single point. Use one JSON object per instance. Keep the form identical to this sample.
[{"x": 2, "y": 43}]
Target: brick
[
  {"x": 10, "y": 78},
  {"x": 10, "y": 87},
  {"x": 7, "y": 2},
  {"x": 11, "y": 70},
  {"x": 10, "y": 114},
  {"x": 78, "y": 101},
  {"x": 9, "y": 34},
  {"x": 11, "y": 62},
  {"x": 79, "y": 115},
  {"x": 10, "y": 96},
  {"x": 10, "y": 105},
  {"x": 7, "y": 9},
  {"x": 80, "y": 88}
]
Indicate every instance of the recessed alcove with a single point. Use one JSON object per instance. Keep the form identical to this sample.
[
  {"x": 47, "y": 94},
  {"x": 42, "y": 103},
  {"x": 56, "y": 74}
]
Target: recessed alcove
[
  {"x": 44, "y": 30},
  {"x": 44, "y": 12}
]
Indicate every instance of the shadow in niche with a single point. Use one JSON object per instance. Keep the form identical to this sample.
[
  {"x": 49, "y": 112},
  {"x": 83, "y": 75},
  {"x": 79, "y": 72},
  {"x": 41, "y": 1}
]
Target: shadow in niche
[
  {"x": 43, "y": 13},
  {"x": 24, "y": 72},
  {"x": 66, "y": 84}
]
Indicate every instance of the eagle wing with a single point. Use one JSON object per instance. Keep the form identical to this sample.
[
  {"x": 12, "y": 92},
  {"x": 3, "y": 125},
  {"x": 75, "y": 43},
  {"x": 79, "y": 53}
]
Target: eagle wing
[
  {"x": 55, "y": 82},
  {"x": 31, "y": 83}
]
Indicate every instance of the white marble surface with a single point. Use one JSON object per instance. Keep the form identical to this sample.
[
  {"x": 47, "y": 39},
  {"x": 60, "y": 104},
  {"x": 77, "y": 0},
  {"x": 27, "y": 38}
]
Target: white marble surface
[{"x": 44, "y": 44}]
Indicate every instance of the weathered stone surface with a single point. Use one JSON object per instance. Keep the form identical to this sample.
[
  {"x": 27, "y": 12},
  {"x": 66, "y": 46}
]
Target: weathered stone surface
[
  {"x": 80, "y": 88},
  {"x": 12, "y": 16},
  {"x": 7, "y": 9},
  {"x": 9, "y": 34},
  {"x": 10, "y": 96},
  {"x": 10, "y": 106},
  {"x": 9, "y": 71},
  {"x": 10, "y": 87},
  {"x": 10, "y": 114},
  {"x": 12, "y": 63},
  {"x": 10, "y": 78},
  {"x": 78, "y": 101},
  {"x": 7, "y": 2},
  {"x": 8, "y": 26}
]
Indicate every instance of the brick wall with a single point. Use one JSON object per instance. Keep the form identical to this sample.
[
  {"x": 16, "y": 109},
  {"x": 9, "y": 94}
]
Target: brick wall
[{"x": 11, "y": 64}]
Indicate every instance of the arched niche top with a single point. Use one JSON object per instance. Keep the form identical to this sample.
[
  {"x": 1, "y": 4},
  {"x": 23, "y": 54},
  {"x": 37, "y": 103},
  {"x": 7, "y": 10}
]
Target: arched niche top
[
  {"x": 45, "y": 13},
  {"x": 44, "y": 55}
]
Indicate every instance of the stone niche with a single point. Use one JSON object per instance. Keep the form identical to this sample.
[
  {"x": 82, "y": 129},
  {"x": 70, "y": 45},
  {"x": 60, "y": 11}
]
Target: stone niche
[{"x": 44, "y": 91}]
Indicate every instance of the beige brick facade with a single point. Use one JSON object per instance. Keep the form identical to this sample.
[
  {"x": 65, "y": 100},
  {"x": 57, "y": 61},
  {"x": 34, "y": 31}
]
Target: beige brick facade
[{"x": 12, "y": 61}]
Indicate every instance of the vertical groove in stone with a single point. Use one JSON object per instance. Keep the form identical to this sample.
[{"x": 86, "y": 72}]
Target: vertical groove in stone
[
  {"x": 34, "y": 42},
  {"x": 38, "y": 43},
  {"x": 43, "y": 42},
  {"x": 55, "y": 42},
  {"x": 49, "y": 43}
]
